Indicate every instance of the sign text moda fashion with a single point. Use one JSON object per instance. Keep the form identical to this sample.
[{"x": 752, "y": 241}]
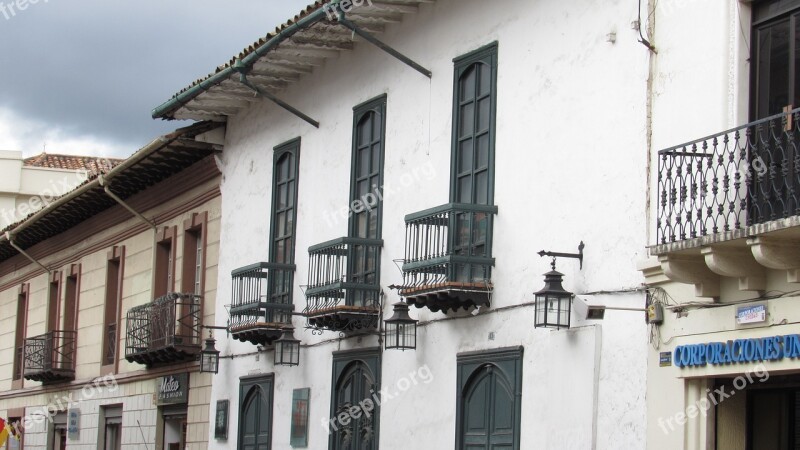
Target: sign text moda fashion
[{"x": 772, "y": 348}]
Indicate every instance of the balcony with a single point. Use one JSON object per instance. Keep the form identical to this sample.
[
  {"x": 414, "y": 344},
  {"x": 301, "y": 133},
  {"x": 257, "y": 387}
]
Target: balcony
[
  {"x": 730, "y": 183},
  {"x": 344, "y": 292},
  {"x": 164, "y": 331},
  {"x": 261, "y": 302},
  {"x": 448, "y": 257},
  {"x": 50, "y": 358},
  {"x": 729, "y": 206}
]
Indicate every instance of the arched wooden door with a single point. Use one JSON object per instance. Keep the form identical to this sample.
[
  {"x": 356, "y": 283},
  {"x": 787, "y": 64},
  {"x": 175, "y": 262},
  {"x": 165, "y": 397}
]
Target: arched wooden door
[
  {"x": 488, "y": 413},
  {"x": 490, "y": 389},
  {"x": 356, "y": 379},
  {"x": 255, "y": 415}
]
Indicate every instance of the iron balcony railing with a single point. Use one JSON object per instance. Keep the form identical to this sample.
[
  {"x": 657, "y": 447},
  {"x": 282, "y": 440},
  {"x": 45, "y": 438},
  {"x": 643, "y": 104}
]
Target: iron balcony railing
[
  {"x": 50, "y": 356},
  {"x": 343, "y": 277},
  {"x": 261, "y": 299},
  {"x": 731, "y": 180},
  {"x": 448, "y": 245},
  {"x": 166, "y": 330}
]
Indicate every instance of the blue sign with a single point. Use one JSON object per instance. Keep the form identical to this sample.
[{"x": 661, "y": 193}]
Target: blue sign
[{"x": 773, "y": 348}]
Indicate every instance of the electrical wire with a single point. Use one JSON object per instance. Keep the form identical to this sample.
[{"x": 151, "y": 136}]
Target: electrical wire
[{"x": 642, "y": 39}]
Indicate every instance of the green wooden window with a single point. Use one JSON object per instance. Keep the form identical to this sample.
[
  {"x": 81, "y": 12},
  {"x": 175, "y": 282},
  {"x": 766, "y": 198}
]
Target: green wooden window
[
  {"x": 489, "y": 399},
  {"x": 472, "y": 161},
  {"x": 284, "y": 200},
  {"x": 356, "y": 382},
  {"x": 284, "y": 217},
  {"x": 366, "y": 193},
  {"x": 366, "y": 179},
  {"x": 255, "y": 413},
  {"x": 474, "y": 114}
]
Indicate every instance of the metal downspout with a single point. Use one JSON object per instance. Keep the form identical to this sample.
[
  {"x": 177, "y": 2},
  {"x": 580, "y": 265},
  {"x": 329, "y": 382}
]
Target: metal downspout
[
  {"x": 108, "y": 192},
  {"x": 10, "y": 239}
]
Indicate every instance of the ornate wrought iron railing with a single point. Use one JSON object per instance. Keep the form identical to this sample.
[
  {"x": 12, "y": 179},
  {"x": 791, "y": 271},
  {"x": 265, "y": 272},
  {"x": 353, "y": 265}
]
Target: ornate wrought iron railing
[
  {"x": 728, "y": 181},
  {"x": 166, "y": 330},
  {"x": 261, "y": 298},
  {"x": 343, "y": 277},
  {"x": 50, "y": 356},
  {"x": 449, "y": 244}
]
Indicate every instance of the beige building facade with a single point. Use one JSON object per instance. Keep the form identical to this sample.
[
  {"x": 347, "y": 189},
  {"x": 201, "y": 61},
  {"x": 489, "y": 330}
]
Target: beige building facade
[
  {"x": 107, "y": 292},
  {"x": 723, "y": 267}
]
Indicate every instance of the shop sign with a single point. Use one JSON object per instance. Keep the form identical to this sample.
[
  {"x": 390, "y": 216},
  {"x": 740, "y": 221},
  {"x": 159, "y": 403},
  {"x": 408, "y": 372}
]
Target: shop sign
[
  {"x": 751, "y": 314},
  {"x": 173, "y": 389},
  {"x": 74, "y": 424},
  {"x": 665, "y": 359},
  {"x": 739, "y": 351}
]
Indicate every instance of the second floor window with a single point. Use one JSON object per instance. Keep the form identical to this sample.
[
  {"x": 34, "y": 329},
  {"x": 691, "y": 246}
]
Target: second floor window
[
  {"x": 366, "y": 193},
  {"x": 193, "y": 264},
  {"x": 284, "y": 216},
  {"x": 776, "y": 57},
  {"x": 164, "y": 272},
  {"x": 111, "y": 314},
  {"x": 474, "y": 106},
  {"x": 19, "y": 336},
  {"x": 284, "y": 195},
  {"x": 472, "y": 161},
  {"x": 366, "y": 185}
]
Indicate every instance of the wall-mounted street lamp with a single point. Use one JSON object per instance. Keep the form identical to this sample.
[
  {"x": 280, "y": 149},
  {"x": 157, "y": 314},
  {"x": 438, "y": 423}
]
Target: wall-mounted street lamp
[
  {"x": 401, "y": 330},
  {"x": 209, "y": 356},
  {"x": 552, "y": 304},
  {"x": 287, "y": 349}
]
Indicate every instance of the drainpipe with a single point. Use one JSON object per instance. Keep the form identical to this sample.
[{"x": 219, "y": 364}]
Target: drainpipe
[
  {"x": 10, "y": 239},
  {"x": 107, "y": 190},
  {"x": 651, "y": 73}
]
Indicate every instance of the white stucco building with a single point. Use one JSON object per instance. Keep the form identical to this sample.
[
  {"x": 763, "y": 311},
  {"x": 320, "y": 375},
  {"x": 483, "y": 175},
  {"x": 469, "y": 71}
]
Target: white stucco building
[{"x": 530, "y": 134}]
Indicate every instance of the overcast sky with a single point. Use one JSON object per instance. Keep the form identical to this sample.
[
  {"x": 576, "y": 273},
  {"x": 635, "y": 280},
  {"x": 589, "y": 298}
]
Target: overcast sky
[{"x": 83, "y": 75}]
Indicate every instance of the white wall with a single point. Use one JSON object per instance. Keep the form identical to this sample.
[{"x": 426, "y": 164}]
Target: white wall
[{"x": 570, "y": 166}]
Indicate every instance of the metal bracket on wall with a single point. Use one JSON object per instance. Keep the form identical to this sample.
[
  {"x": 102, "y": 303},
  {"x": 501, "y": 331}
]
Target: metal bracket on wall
[
  {"x": 239, "y": 67},
  {"x": 13, "y": 244},
  {"x": 383, "y": 46},
  {"x": 578, "y": 256},
  {"x": 106, "y": 188}
]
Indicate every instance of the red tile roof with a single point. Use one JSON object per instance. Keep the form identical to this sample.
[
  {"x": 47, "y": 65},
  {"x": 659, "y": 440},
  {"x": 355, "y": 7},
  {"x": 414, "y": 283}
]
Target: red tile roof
[{"x": 91, "y": 164}]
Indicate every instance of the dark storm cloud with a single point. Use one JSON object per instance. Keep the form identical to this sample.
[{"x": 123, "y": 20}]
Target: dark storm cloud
[{"x": 97, "y": 68}]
